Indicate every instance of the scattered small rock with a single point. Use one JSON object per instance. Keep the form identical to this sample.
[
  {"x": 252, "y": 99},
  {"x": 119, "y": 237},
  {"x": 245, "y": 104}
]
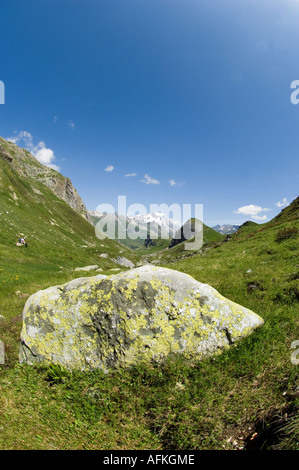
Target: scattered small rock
[
  {"x": 122, "y": 261},
  {"x": 88, "y": 268},
  {"x": 23, "y": 296},
  {"x": 251, "y": 286}
]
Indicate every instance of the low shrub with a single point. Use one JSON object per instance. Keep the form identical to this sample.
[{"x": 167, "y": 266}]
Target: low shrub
[{"x": 287, "y": 232}]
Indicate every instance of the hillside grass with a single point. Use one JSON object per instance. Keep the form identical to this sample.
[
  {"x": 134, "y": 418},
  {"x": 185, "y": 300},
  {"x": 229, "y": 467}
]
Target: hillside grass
[
  {"x": 161, "y": 253},
  {"x": 59, "y": 240},
  {"x": 259, "y": 270},
  {"x": 245, "y": 398}
]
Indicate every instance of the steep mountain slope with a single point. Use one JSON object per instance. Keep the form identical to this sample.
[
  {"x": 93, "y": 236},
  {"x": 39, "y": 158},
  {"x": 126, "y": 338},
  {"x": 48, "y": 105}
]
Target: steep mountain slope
[
  {"x": 43, "y": 204},
  {"x": 289, "y": 213},
  {"x": 59, "y": 238},
  {"x": 115, "y": 224},
  {"x": 27, "y": 166},
  {"x": 192, "y": 226}
]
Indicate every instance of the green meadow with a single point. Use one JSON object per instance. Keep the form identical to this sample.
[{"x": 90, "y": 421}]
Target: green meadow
[{"x": 245, "y": 398}]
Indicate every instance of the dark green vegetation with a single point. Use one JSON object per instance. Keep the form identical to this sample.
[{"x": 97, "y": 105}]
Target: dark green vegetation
[{"x": 247, "y": 397}]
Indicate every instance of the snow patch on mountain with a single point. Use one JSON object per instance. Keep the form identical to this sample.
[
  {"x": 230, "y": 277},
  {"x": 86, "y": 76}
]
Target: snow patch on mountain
[{"x": 226, "y": 229}]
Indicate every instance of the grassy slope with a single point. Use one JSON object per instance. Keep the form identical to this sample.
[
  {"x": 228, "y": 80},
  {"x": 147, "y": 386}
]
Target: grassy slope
[
  {"x": 209, "y": 237},
  {"x": 256, "y": 382},
  {"x": 59, "y": 240},
  {"x": 128, "y": 242},
  {"x": 161, "y": 254},
  {"x": 213, "y": 405}
]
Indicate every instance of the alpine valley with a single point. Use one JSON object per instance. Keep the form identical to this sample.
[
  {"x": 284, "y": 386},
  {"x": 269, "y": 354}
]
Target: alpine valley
[{"x": 242, "y": 397}]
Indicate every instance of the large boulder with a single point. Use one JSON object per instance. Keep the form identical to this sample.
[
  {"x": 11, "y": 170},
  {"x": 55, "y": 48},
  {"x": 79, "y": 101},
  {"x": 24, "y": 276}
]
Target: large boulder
[
  {"x": 122, "y": 261},
  {"x": 140, "y": 315}
]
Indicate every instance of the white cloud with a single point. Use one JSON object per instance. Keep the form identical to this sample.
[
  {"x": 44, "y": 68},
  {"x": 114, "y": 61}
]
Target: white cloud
[
  {"x": 24, "y": 136},
  {"x": 43, "y": 154},
  {"x": 131, "y": 174},
  {"x": 251, "y": 209},
  {"x": 149, "y": 180},
  {"x": 282, "y": 203},
  {"x": 174, "y": 183},
  {"x": 109, "y": 168},
  {"x": 71, "y": 124}
]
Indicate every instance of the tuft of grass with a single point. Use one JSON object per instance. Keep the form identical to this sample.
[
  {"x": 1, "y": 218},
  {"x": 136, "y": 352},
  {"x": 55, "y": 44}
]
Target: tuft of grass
[{"x": 286, "y": 232}]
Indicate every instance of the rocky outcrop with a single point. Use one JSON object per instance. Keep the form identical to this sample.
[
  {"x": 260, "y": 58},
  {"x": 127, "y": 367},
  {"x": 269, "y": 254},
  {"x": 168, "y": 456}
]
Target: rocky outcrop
[
  {"x": 63, "y": 188},
  {"x": 149, "y": 242},
  {"x": 28, "y": 166},
  {"x": 94, "y": 267},
  {"x": 142, "y": 315},
  {"x": 122, "y": 261},
  {"x": 5, "y": 155}
]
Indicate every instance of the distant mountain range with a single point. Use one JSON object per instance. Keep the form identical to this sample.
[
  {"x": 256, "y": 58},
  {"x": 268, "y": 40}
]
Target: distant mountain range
[
  {"x": 226, "y": 229},
  {"x": 139, "y": 229},
  {"x": 153, "y": 230},
  {"x": 157, "y": 222}
]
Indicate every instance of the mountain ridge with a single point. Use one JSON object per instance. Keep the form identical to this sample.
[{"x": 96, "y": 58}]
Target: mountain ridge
[
  {"x": 56, "y": 233},
  {"x": 27, "y": 165},
  {"x": 225, "y": 229},
  {"x": 140, "y": 229}
]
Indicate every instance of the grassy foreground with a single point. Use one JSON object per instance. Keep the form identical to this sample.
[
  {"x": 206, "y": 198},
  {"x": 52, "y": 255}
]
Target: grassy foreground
[{"x": 246, "y": 398}]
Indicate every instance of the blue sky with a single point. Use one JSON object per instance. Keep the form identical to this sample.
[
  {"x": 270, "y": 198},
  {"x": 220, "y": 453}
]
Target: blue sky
[{"x": 192, "y": 97}]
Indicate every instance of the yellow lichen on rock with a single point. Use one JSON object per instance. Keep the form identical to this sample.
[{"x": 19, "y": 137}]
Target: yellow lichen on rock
[{"x": 141, "y": 315}]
